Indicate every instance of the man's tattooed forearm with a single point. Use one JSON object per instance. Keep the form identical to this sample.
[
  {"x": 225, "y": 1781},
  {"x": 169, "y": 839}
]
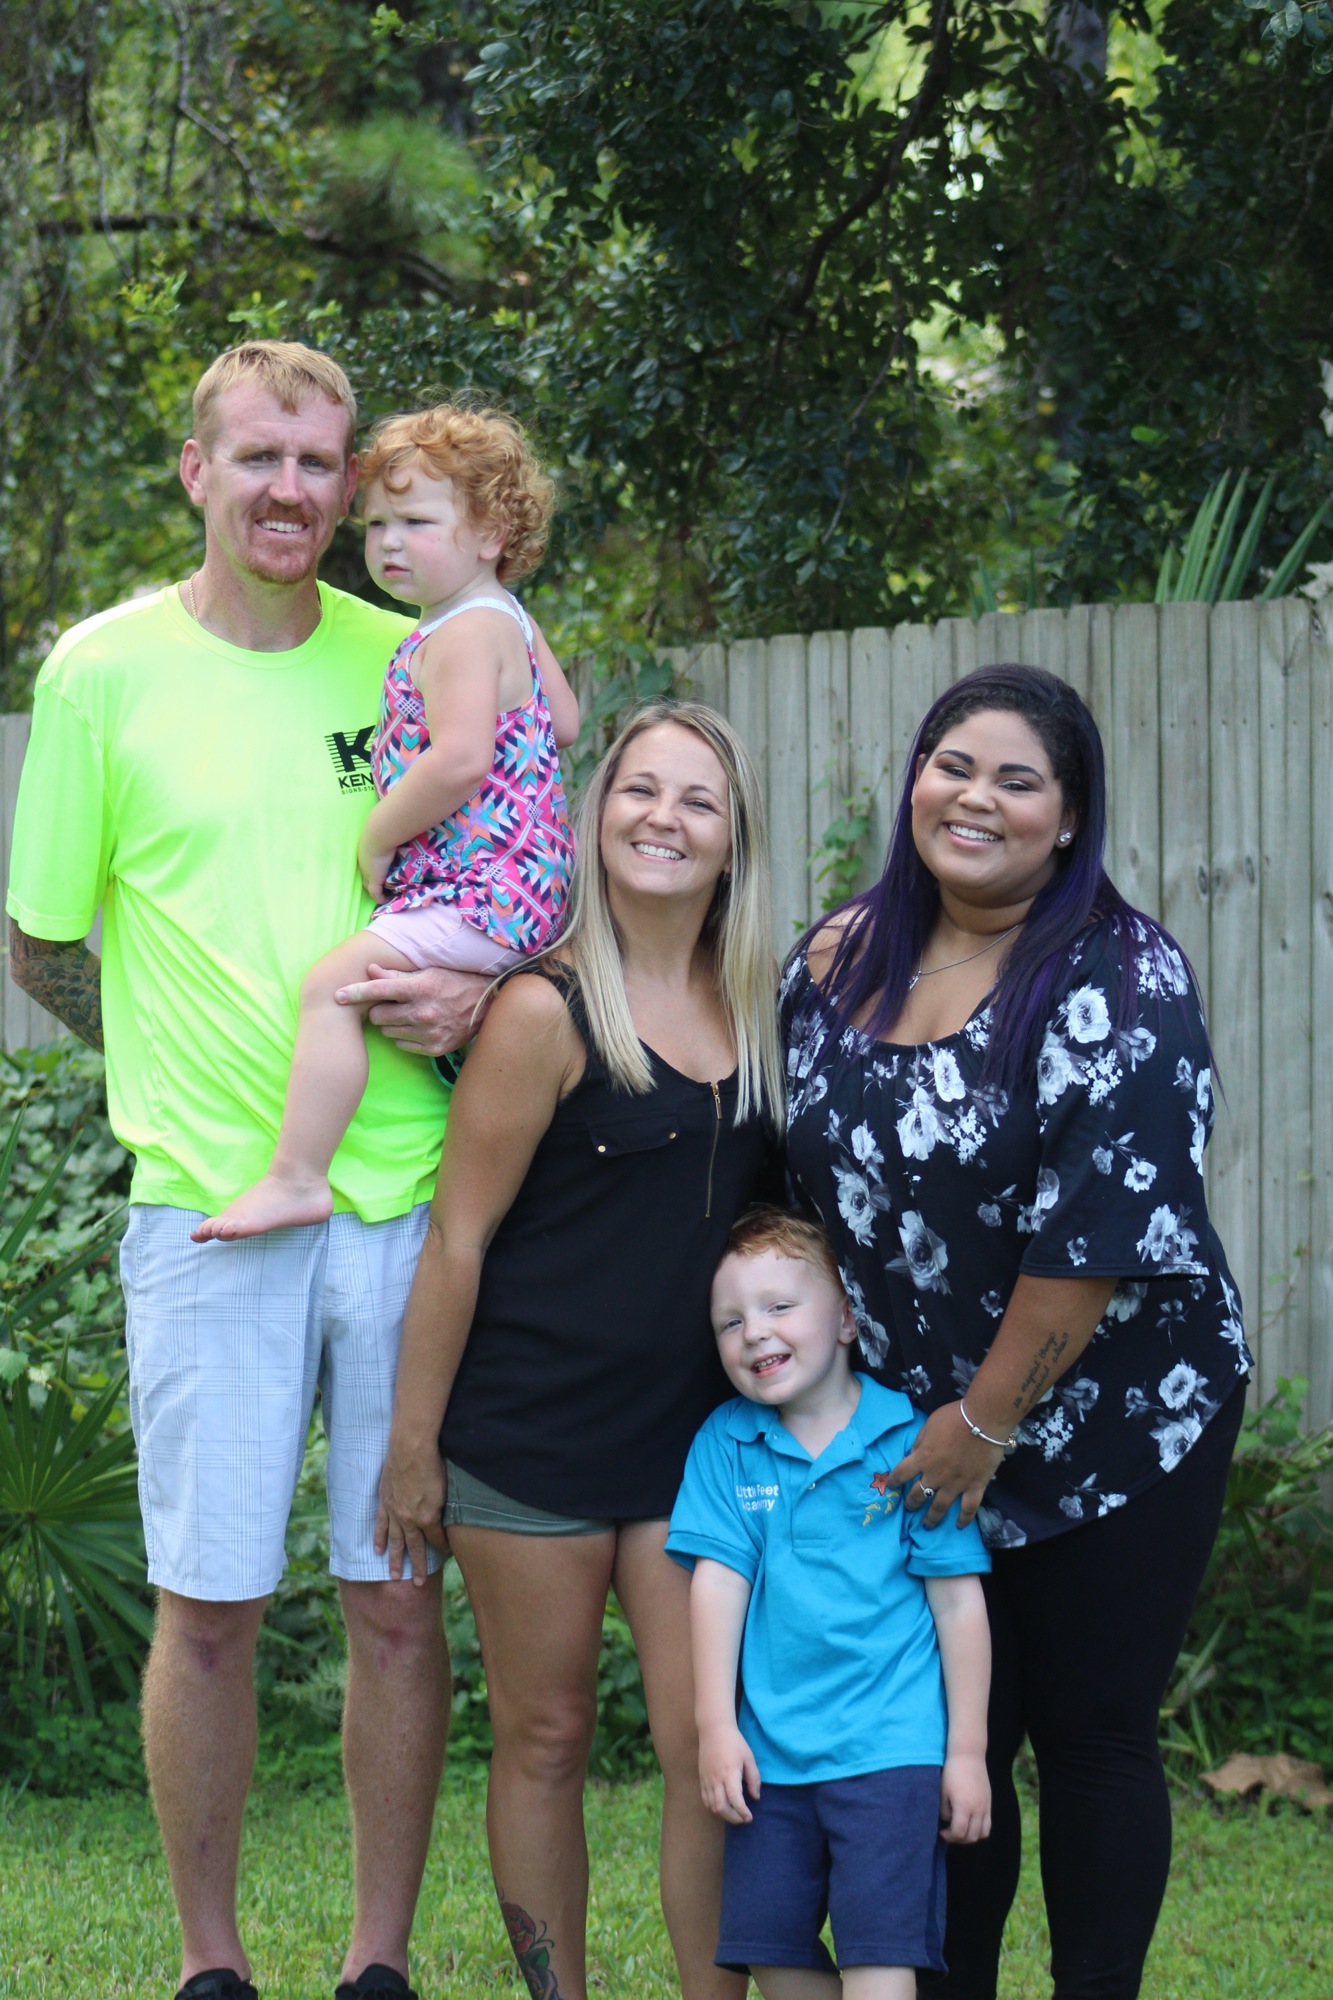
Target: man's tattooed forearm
[
  {"x": 533, "y": 1945},
  {"x": 65, "y": 978},
  {"x": 1039, "y": 1374}
]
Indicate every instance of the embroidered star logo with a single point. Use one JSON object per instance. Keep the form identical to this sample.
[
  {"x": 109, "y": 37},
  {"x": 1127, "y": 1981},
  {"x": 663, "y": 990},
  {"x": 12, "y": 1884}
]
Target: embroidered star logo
[{"x": 881, "y": 1482}]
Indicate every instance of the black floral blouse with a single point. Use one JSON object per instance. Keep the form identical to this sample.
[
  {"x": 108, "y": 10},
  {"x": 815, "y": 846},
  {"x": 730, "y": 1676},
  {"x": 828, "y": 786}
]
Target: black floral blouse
[{"x": 938, "y": 1190}]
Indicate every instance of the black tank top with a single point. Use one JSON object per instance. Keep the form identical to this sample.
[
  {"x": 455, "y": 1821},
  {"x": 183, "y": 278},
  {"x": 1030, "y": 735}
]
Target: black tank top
[{"x": 591, "y": 1361}]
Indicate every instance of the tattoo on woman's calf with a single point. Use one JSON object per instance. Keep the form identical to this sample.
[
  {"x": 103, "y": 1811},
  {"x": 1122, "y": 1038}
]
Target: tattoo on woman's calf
[{"x": 533, "y": 1945}]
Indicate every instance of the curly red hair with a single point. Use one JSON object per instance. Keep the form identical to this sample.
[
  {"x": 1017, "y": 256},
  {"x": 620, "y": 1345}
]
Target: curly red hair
[{"x": 484, "y": 453}]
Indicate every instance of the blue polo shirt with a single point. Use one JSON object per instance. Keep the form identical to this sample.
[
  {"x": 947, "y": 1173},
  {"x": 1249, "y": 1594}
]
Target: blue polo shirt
[{"x": 840, "y": 1667}]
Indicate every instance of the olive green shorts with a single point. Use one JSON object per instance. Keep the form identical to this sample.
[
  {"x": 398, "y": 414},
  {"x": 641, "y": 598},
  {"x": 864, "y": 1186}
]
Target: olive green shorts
[{"x": 471, "y": 1503}]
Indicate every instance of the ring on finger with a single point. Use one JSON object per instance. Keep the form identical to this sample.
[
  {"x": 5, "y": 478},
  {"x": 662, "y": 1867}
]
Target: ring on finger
[{"x": 928, "y": 1491}]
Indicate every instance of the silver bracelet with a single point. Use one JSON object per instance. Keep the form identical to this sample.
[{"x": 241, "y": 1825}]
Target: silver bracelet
[{"x": 1006, "y": 1445}]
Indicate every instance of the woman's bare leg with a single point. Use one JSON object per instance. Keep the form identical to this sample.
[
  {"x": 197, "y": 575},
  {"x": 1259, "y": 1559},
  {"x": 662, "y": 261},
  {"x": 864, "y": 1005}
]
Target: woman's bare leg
[
  {"x": 654, "y": 1593},
  {"x": 327, "y": 1082},
  {"x": 538, "y": 1602}
]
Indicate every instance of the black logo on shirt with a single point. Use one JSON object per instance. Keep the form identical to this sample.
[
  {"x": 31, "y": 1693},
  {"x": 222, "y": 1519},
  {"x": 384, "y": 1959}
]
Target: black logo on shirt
[{"x": 350, "y": 756}]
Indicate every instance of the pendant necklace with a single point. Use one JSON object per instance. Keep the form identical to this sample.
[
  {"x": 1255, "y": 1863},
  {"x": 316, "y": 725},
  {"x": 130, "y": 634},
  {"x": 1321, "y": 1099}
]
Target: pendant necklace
[{"x": 919, "y": 974}]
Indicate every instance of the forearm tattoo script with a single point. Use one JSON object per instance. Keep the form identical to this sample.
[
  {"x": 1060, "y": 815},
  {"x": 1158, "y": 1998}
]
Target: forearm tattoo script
[
  {"x": 1044, "y": 1366},
  {"x": 66, "y": 979}
]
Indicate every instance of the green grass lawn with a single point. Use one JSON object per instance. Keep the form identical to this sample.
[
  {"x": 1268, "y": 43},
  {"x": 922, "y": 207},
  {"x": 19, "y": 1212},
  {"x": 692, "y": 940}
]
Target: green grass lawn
[{"x": 85, "y": 1914}]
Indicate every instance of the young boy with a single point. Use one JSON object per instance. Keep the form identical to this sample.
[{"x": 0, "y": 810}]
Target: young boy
[{"x": 850, "y": 1622}]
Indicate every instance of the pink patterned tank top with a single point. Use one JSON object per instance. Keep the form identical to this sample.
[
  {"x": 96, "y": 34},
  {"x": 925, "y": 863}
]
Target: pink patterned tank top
[{"x": 503, "y": 860}]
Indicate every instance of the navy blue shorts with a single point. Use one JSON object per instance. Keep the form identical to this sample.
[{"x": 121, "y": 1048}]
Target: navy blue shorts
[{"x": 864, "y": 1852}]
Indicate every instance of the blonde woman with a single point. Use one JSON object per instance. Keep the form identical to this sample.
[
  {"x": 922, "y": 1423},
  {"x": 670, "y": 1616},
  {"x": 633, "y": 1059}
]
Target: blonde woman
[{"x": 615, "y": 1116}]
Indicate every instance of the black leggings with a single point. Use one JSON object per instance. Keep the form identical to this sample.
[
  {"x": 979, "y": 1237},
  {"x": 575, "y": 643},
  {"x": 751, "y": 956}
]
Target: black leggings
[{"x": 1085, "y": 1629}]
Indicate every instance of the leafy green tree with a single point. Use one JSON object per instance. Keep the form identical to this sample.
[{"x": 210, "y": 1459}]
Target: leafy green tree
[
  {"x": 810, "y": 305},
  {"x": 742, "y": 221},
  {"x": 1185, "y": 306},
  {"x": 172, "y": 172},
  {"x": 741, "y": 224}
]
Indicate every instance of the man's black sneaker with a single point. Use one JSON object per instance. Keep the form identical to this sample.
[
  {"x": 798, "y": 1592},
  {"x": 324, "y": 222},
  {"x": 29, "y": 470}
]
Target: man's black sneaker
[
  {"x": 220, "y": 1984},
  {"x": 377, "y": 1982}
]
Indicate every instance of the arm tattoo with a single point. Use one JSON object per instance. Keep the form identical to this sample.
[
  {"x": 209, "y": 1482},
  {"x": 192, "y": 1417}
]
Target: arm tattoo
[
  {"x": 1044, "y": 1366},
  {"x": 65, "y": 978}
]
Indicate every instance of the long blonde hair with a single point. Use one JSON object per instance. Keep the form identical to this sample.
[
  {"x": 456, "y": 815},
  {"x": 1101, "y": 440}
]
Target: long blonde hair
[{"x": 736, "y": 929}]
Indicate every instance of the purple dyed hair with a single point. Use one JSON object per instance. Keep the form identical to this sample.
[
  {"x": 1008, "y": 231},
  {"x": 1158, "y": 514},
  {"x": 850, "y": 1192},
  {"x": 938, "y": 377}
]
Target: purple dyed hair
[{"x": 887, "y": 927}]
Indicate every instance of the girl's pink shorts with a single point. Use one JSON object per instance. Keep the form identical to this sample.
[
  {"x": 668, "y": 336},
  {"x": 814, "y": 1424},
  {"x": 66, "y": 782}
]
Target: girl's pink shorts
[{"x": 435, "y": 934}]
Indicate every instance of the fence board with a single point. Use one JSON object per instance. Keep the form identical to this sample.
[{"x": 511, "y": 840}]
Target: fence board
[
  {"x": 1284, "y": 1013},
  {"x": 959, "y": 641},
  {"x": 747, "y": 695},
  {"x": 871, "y": 730},
  {"x": 1183, "y": 731},
  {"x": 830, "y": 759},
  {"x": 1097, "y": 693},
  {"x": 999, "y": 637},
  {"x": 1236, "y": 941},
  {"x": 1046, "y": 641},
  {"x": 914, "y": 678},
  {"x": 789, "y": 776},
  {"x": 1134, "y": 756},
  {"x": 1320, "y": 1409},
  {"x": 706, "y": 672}
]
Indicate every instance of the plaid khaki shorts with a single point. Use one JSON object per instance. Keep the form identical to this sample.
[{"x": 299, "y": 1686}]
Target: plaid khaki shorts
[{"x": 228, "y": 1343}]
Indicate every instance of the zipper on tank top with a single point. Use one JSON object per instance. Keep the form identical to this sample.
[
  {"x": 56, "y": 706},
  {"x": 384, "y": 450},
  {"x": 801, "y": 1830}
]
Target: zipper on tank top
[{"x": 717, "y": 1127}]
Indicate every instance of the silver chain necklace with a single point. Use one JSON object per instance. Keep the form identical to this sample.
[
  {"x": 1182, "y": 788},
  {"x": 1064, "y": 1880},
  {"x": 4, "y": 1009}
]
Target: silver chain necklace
[{"x": 919, "y": 974}]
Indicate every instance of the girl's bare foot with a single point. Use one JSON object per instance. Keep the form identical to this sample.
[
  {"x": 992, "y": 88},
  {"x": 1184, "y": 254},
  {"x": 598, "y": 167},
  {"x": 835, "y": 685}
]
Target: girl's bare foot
[{"x": 272, "y": 1203}]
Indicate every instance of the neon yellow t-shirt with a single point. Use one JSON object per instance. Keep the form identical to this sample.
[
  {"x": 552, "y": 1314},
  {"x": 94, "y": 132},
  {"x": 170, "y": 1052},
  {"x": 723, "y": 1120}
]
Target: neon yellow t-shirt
[{"x": 209, "y": 800}]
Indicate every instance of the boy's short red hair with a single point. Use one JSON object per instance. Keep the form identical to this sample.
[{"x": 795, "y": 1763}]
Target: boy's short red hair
[
  {"x": 496, "y": 478},
  {"x": 789, "y": 1235}
]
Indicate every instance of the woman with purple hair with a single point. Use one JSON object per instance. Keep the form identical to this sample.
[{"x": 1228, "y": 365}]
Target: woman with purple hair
[{"x": 1001, "y": 1092}]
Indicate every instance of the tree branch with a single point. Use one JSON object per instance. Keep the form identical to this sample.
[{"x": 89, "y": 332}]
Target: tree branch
[
  {"x": 137, "y": 222},
  {"x": 933, "y": 85}
]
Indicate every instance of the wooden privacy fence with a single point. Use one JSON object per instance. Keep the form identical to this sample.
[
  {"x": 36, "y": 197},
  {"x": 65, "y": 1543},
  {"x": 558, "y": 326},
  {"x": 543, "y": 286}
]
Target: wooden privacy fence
[
  {"x": 1219, "y": 734},
  {"x": 1218, "y": 724}
]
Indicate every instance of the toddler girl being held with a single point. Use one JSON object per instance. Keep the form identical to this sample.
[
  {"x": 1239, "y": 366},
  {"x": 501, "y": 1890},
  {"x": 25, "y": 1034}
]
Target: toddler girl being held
[{"x": 468, "y": 850}]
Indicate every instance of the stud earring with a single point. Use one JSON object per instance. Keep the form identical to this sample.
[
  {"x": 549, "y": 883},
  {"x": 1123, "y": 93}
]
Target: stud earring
[{"x": 1064, "y": 838}]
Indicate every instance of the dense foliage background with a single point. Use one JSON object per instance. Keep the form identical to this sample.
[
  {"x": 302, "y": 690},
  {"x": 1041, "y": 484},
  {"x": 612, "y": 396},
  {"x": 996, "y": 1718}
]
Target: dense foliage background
[{"x": 811, "y": 306}]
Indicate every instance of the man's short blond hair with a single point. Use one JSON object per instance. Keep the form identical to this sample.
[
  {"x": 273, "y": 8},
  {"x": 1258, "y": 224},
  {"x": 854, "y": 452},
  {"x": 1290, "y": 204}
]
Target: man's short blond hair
[
  {"x": 289, "y": 370},
  {"x": 496, "y": 478}
]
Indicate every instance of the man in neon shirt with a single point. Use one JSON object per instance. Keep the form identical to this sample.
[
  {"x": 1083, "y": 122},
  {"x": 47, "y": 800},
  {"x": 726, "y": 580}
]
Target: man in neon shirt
[{"x": 198, "y": 769}]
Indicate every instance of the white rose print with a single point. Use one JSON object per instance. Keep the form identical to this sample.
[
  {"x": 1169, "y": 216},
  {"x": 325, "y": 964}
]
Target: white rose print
[
  {"x": 949, "y": 1086},
  {"x": 1087, "y": 1015},
  {"x": 925, "y": 1253},
  {"x": 1056, "y": 1070},
  {"x": 919, "y": 1128}
]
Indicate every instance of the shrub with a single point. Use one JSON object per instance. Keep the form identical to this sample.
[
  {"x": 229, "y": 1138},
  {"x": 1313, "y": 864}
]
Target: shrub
[
  {"x": 74, "y": 1611},
  {"x": 1256, "y": 1672}
]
